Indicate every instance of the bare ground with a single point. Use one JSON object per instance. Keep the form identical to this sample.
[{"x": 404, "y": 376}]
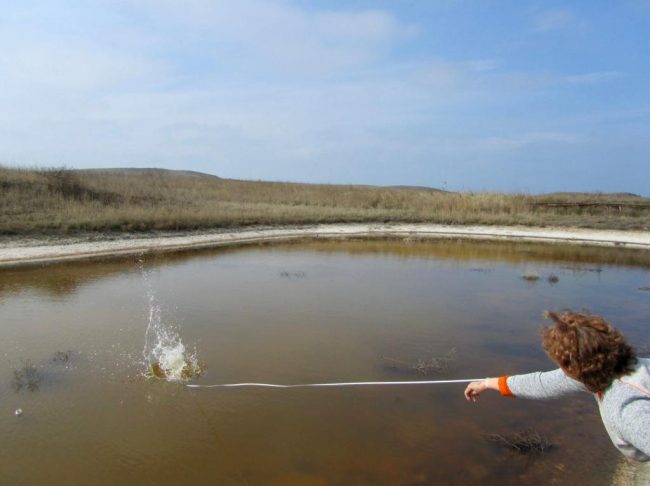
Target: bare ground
[{"x": 18, "y": 252}]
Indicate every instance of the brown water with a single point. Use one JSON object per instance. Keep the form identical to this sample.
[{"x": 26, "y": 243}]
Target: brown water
[{"x": 309, "y": 312}]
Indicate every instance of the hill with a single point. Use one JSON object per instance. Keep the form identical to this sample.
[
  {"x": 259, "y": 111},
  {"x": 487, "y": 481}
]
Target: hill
[{"x": 40, "y": 202}]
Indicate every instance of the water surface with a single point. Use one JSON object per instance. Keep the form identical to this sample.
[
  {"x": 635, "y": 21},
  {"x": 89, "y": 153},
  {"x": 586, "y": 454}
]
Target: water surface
[{"x": 308, "y": 312}]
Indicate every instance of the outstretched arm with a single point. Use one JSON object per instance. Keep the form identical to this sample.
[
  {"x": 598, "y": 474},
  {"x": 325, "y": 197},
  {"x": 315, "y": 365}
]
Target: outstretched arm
[{"x": 538, "y": 385}]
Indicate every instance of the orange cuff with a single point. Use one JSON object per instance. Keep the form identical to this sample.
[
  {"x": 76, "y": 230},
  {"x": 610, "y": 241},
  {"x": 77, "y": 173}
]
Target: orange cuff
[{"x": 503, "y": 387}]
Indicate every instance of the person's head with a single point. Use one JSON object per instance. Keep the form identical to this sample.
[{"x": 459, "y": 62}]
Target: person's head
[{"x": 587, "y": 348}]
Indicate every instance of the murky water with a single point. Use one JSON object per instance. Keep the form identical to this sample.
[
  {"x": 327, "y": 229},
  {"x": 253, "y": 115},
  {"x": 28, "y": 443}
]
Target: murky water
[{"x": 72, "y": 340}]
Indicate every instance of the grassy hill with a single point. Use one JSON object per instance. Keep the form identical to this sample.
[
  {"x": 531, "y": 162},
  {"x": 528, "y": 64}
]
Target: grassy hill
[{"x": 129, "y": 200}]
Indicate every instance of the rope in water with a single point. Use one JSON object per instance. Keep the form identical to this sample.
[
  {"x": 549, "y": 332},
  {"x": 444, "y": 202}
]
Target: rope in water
[{"x": 350, "y": 383}]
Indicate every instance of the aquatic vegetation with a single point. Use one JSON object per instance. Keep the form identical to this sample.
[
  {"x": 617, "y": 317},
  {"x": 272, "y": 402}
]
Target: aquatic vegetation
[
  {"x": 553, "y": 279},
  {"x": 26, "y": 377},
  {"x": 298, "y": 274},
  {"x": 428, "y": 366},
  {"x": 530, "y": 276},
  {"x": 62, "y": 357},
  {"x": 526, "y": 442}
]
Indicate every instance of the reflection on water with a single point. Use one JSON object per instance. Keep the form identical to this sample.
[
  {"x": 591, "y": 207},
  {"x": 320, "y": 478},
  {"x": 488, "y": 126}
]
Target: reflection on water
[{"x": 308, "y": 312}]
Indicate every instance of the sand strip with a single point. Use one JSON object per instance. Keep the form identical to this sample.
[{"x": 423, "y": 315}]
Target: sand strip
[{"x": 20, "y": 254}]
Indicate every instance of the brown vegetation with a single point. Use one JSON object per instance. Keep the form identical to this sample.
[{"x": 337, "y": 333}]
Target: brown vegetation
[
  {"x": 71, "y": 201},
  {"x": 524, "y": 442}
]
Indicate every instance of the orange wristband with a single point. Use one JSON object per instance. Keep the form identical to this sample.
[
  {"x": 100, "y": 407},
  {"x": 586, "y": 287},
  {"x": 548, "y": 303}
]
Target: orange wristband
[{"x": 503, "y": 387}]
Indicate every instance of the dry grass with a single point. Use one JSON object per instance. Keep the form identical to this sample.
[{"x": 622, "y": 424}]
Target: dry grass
[{"x": 70, "y": 201}]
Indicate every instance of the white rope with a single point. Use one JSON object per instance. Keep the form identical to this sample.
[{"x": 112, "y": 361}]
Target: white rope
[{"x": 351, "y": 383}]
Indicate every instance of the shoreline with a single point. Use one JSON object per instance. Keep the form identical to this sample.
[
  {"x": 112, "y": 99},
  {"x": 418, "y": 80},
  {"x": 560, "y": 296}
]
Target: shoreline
[{"x": 26, "y": 252}]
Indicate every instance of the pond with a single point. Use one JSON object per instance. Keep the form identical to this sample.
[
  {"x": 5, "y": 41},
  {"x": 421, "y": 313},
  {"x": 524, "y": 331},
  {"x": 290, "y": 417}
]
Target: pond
[{"x": 76, "y": 340}]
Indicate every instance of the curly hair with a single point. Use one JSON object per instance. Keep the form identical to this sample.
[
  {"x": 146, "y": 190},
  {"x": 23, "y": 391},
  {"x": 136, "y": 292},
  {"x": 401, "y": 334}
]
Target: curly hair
[{"x": 588, "y": 349}]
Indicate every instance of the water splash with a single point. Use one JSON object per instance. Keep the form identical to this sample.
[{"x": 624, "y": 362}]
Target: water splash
[{"x": 165, "y": 355}]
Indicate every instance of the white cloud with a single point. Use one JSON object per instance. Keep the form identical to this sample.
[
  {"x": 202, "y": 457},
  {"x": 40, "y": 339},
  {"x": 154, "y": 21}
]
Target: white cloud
[
  {"x": 593, "y": 78},
  {"x": 278, "y": 36},
  {"x": 70, "y": 67},
  {"x": 553, "y": 19}
]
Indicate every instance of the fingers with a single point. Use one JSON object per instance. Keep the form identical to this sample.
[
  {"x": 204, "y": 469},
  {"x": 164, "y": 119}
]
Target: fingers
[{"x": 473, "y": 391}]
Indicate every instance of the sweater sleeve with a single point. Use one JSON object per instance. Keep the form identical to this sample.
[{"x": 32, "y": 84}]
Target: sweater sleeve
[
  {"x": 541, "y": 385},
  {"x": 635, "y": 425}
]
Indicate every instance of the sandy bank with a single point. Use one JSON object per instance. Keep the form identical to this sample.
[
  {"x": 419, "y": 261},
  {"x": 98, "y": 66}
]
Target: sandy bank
[{"x": 26, "y": 253}]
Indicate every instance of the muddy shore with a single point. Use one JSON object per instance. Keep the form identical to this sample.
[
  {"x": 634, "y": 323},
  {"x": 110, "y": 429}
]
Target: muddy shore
[{"x": 20, "y": 252}]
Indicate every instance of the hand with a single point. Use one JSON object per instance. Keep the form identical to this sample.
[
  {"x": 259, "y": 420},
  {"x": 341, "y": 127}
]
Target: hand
[{"x": 475, "y": 388}]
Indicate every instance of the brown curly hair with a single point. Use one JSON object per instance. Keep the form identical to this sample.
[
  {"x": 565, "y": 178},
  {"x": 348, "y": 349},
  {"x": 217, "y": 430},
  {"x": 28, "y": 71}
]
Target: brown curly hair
[{"x": 588, "y": 349}]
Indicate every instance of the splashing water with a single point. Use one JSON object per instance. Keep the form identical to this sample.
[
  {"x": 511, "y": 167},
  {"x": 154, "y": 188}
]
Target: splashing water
[{"x": 165, "y": 355}]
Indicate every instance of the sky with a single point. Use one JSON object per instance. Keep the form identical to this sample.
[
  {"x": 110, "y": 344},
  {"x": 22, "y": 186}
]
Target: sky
[{"x": 469, "y": 95}]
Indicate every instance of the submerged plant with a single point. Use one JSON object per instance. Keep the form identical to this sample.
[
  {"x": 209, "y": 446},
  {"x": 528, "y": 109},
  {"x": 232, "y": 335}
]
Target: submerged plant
[
  {"x": 298, "y": 274},
  {"x": 26, "y": 377},
  {"x": 423, "y": 366},
  {"x": 62, "y": 356},
  {"x": 530, "y": 276},
  {"x": 526, "y": 442}
]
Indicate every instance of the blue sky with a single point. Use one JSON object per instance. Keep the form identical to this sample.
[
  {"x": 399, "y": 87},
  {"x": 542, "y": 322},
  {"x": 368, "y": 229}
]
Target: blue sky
[{"x": 466, "y": 95}]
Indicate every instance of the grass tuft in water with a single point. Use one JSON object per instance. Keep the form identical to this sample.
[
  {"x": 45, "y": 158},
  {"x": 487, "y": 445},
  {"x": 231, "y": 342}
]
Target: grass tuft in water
[
  {"x": 530, "y": 276},
  {"x": 527, "y": 442},
  {"x": 26, "y": 377},
  {"x": 62, "y": 357}
]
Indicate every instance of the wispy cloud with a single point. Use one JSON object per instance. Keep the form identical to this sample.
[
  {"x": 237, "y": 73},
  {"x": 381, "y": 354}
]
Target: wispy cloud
[
  {"x": 593, "y": 78},
  {"x": 281, "y": 37},
  {"x": 553, "y": 19}
]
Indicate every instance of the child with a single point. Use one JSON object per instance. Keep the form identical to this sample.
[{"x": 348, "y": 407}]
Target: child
[{"x": 593, "y": 357}]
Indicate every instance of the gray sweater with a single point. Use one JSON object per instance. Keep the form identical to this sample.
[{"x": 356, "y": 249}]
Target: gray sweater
[{"x": 624, "y": 406}]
